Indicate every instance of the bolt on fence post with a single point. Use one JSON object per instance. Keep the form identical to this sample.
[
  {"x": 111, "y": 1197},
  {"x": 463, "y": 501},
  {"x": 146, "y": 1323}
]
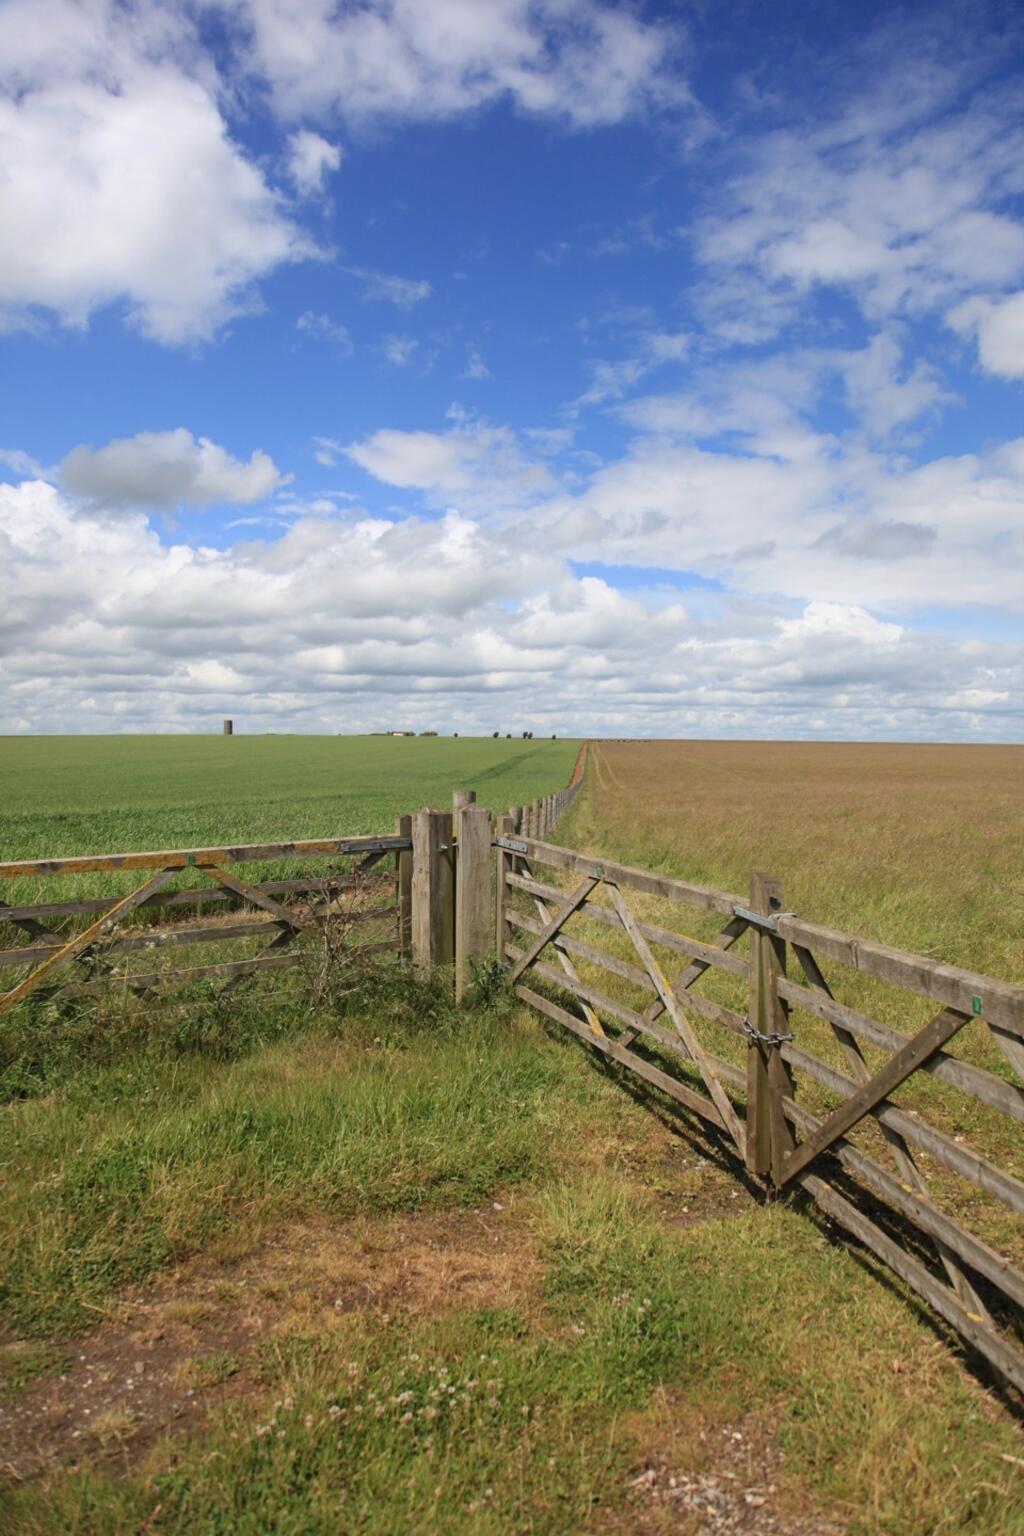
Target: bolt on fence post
[
  {"x": 403, "y": 888},
  {"x": 474, "y": 933},
  {"x": 769, "y": 1138},
  {"x": 433, "y": 889}
]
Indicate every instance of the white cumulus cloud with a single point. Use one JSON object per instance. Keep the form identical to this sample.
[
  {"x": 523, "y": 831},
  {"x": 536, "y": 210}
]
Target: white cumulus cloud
[
  {"x": 998, "y": 325},
  {"x": 121, "y": 178},
  {"x": 587, "y": 61},
  {"x": 167, "y": 469},
  {"x": 311, "y": 159},
  {"x": 353, "y": 622}
]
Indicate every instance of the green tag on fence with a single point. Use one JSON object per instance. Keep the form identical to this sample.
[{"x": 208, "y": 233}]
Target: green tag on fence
[{"x": 976, "y": 1004}]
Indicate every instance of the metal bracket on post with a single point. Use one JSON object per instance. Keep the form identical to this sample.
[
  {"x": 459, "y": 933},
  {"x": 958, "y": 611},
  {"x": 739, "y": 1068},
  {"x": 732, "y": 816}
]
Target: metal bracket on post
[{"x": 768, "y": 922}]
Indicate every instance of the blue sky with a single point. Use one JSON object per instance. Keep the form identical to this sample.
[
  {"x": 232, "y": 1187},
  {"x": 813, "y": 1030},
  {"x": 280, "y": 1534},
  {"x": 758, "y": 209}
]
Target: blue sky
[{"x": 552, "y": 364}]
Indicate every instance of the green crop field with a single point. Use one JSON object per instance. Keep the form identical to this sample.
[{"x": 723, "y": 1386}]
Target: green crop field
[
  {"x": 102, "y": 794},
  {"x": 378, "y": 1264}
]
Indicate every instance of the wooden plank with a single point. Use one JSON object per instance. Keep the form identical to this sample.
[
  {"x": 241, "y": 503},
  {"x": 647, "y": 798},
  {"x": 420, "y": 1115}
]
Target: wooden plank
[
  {"x": 626, "y": 874},
  {"x": 678, "y": 1018},
  {"x": 588, "y": 994},
  {"x": 474, "y": 931},
  {"x": 732, "y": 931},
  {"x": 680, "y": 944},
  {"x": 716, "y": 1013},
  {"x": 186, "y": 858},
  {"x": 995, "y": 1349},
  {"x": 559, "y": 944},
  {"x": 999, "y": 1002},
  {"x": 502, "y": 908},
  {"x": 878, "y": 1087},
  {"x": 608, "y": 1047},
  {"x": 193, "y": 896},
  {"x": 636, "y": 1024},
  {"x": 403, "y": 884},
  {"x": 1010, "y": 1045},
  {"x": 562, "y": 915},
  {"x": 158, "y": 938},
  {"x": 252, "y": 894},
  {"x": 920, "y": 1210},
  {"x": 83, "y": 940},
  {"x": 565, "y": 943},
  {"x": 986, "y": 1086},
  {"x": 956, "y": 1156},
  {"x": 433, "y": 890},
  {"x": 768, "y": 1082},
  {"x": 902, "y": 1155},
  {"x": 231, "y": 968}
]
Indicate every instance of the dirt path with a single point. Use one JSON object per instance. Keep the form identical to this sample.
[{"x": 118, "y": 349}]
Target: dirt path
[{"x": 172, "y": 1351}]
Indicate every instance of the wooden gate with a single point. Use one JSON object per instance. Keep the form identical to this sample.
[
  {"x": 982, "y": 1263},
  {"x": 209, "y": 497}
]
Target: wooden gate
[
  {"x": 85, "y": 944},
  {"x": 803, "y": 1086}
]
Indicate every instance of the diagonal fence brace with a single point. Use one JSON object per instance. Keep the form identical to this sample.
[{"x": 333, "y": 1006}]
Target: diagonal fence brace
[
  {"x": 257, "y": 898},
  {"x": 87, "y": 937},
  {"x": 671, "y": 1005},
  {"x": 564, "y": 912},
  {"x": 732, "y": 931},
  {"x": 896, "y": 1070}
]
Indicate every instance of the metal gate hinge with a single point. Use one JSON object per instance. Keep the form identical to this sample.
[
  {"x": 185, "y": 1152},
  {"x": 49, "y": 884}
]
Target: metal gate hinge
[{"x": 766, "y": 920}]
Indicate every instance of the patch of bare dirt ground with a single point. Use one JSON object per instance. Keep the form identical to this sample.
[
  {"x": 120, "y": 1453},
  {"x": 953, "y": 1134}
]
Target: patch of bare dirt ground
[
  {"x": 710, "y": 1479},
  {"x": 170, "y": 1352}
]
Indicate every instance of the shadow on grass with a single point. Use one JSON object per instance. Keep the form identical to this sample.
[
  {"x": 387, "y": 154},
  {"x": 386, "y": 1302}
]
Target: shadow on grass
[{"x": 701, "y": 1138}]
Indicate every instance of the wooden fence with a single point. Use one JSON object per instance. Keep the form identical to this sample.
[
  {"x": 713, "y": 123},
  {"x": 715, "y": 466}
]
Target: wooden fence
[
  {"x": 359, "y": 889},
  {"x": 86, "y": 945},
  {"x": 749, "y": 1034},
  {"x": 799, "y": 1083}
]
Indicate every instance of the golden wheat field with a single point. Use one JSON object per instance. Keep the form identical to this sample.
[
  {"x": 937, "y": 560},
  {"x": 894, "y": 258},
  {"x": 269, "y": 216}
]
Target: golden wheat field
[{"x": 919, "y": 846}]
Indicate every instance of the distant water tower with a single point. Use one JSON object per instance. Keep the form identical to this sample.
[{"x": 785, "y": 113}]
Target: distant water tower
[{"x": 229, "y": 727}]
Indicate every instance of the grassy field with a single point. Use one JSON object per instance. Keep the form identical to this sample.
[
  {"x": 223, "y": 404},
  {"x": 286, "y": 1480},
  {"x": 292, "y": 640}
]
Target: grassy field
[
  {"x": 387, "y": 1265},
  {"x": 100, "y": 794}
]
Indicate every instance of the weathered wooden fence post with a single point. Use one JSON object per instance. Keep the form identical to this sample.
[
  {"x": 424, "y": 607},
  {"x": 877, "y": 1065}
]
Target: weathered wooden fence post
[
  {"x": 403, "y": 888},
  {"x": 433, "y": 889},
  {"x": 505, "y": 862},
  {"x": 768, "y": 1078},
  {"x": 474, "y": 933},
  {"x": 461, "y": 797}
]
